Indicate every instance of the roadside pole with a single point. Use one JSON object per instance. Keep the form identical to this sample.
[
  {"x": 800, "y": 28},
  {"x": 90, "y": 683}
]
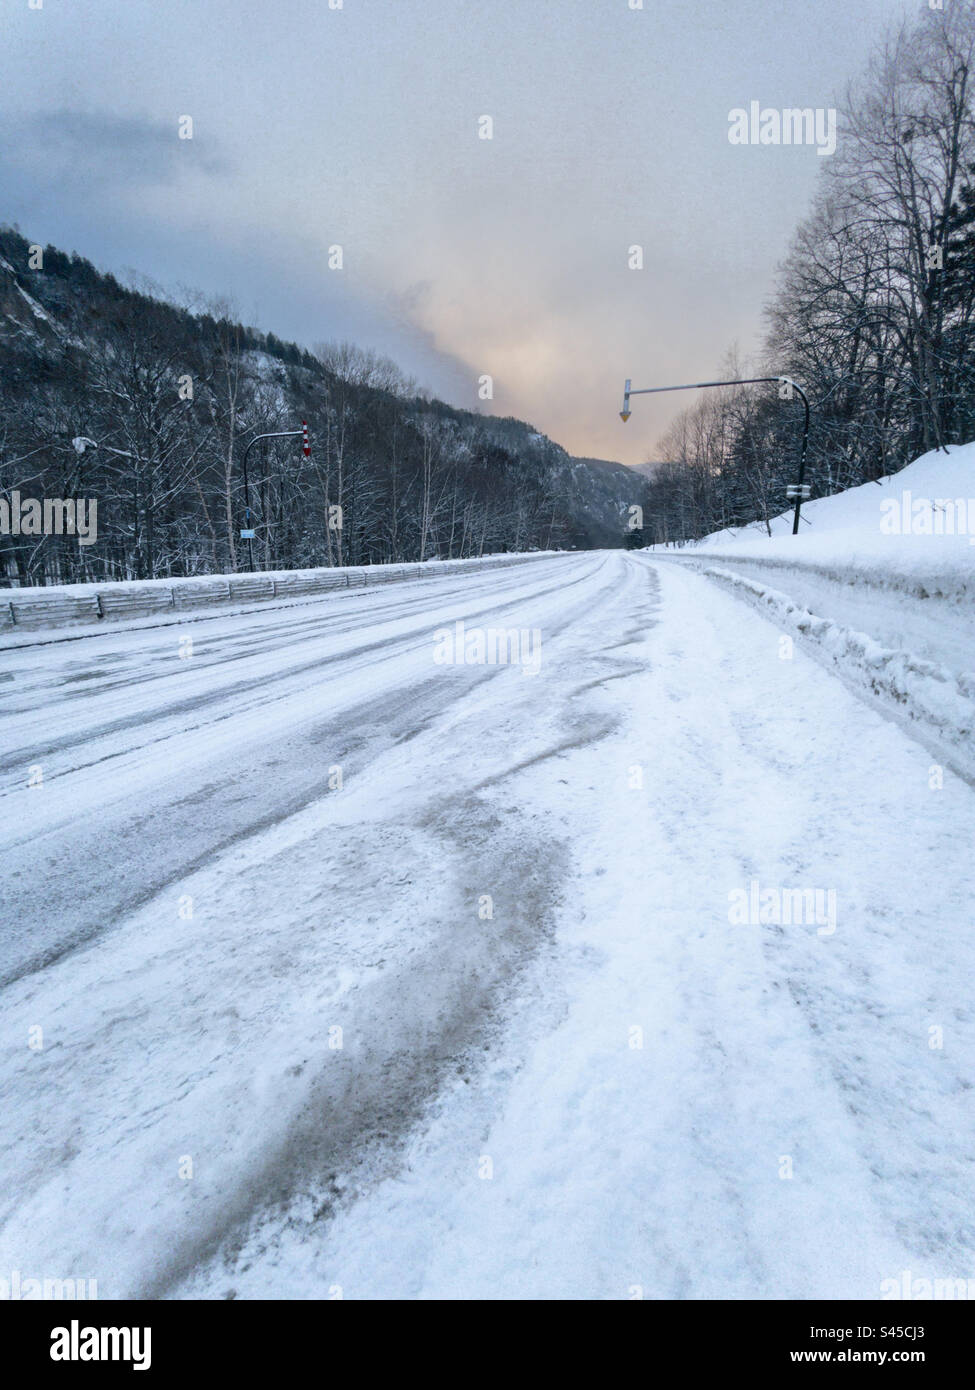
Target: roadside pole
[
  {"x": 247, "y": 531},
  {"x": 800, "y": 490}
]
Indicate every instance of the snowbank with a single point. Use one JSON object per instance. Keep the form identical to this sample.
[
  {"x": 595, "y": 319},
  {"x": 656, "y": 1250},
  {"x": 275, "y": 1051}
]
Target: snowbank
[
  {"x": 913, "y": 532},
  {"x": 879, "y": 584},
  {"x": 926, "y": 692}
]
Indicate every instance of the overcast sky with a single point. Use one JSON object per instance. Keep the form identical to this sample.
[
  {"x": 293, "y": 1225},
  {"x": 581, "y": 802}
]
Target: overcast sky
[{"x": 358, "y": 126}]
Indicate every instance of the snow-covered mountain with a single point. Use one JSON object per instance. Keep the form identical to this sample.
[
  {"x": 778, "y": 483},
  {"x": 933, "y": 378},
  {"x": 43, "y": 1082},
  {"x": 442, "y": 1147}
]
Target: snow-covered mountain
[{"x": 169, "y": 398}]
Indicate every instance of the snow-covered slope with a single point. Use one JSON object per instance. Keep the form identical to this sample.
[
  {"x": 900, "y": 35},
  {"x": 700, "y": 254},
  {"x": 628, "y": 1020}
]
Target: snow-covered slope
[{"x": 913, "y": 531}]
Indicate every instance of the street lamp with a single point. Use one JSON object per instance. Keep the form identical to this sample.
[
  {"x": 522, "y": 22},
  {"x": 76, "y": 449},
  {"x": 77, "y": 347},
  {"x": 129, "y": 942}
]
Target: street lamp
[
  {"x": 247, "y": 531},
  {"x": 800, "y": 491}
]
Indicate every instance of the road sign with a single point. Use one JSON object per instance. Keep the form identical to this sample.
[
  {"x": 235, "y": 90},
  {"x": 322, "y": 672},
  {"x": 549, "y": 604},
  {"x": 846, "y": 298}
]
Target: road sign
[
  {"x": 305, "y": 443},
  {"x": 247, "y": 535},
  {"x": 792, "y": 492}
]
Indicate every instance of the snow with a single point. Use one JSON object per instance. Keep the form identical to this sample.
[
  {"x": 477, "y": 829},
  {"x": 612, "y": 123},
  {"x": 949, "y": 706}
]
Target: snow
[
  {"x": 220, "y": 580},
  {"x": 875, "y": 582},
  {"x": 28, "y": 299},
  {"x": 33, "y": 614},
  {"x": 853, "y": 562},
  {"x": 665, "y": 758},
  {"x": 941, "y": 703},
  {"x": 851, "y": 532}
]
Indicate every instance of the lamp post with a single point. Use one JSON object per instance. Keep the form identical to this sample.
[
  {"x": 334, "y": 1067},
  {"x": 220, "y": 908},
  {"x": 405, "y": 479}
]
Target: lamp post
[
  {"x": 247, "y": 531},
  {"x": 800, "y": 490}
]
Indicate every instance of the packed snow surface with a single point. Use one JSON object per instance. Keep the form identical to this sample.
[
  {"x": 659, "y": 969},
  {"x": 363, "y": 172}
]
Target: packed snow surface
[{"x": 360, "y": 972}]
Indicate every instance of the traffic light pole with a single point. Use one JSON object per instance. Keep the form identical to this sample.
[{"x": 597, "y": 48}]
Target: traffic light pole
[
  {"x": 745, "y": 381},
  {"x": 281, "y": 434}
]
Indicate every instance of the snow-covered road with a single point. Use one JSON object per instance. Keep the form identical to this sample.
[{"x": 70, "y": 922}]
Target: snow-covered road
[{"x": 357, "y": 971}]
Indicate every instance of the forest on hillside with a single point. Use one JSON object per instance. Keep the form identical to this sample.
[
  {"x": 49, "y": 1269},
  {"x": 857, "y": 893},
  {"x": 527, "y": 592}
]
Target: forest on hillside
[
  {"x": 113, "y": 393},
  {"x": 873, "y": 311}
]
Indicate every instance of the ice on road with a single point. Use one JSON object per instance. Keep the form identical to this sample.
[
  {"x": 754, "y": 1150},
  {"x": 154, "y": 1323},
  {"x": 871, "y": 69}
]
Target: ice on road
[{"x": 331, "y": 968}]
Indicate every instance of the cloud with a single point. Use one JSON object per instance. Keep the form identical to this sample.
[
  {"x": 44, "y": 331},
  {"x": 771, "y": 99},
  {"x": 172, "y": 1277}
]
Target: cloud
[{"x": 89, "y": 151}]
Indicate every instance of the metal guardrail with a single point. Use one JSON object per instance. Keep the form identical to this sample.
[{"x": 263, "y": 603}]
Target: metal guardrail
[{"x": 34, "y": 608}]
